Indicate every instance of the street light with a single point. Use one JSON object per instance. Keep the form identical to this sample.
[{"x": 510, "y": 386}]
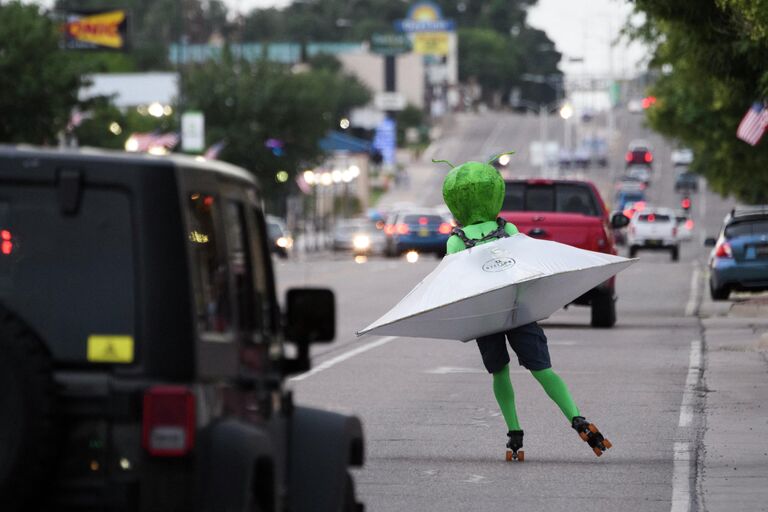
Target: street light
[{"x": 566, "y": 111}]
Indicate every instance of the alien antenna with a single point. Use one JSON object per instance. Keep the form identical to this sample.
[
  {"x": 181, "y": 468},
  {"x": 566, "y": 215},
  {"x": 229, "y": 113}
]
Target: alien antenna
[
  {"x": 443, "y": 162},
  {"x": 494, "y": 157}
]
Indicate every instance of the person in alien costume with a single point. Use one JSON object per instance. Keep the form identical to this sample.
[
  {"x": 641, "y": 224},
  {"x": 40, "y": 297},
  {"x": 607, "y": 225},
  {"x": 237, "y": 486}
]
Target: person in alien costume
[{"x": 474, "y": 193}]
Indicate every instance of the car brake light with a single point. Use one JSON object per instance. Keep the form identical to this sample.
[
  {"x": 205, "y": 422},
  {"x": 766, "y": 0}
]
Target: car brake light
[
  {"x": 389, "y": 229},
  {"x": 444, "y": 228},
  {"x": 423, "y": 221},
  {"x": 648, "y": 157},
  {"x": 689, "y": 224},
  {"x": 168, "y": 426},
  {"x": 6, "y": 242},
  {"x": 723, "y": 250},
  {"x": 402, "y": 229},
  {"x": 651, "y": 217},
  {"x": 628, "y": 156}
]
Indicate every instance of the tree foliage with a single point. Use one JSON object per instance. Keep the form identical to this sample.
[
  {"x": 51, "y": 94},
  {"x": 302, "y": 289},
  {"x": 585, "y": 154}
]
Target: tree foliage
[
  {"x": 247, "y": 104},
  {"x": 714, "y": 69},
  {"x": 38, "y": 82}
]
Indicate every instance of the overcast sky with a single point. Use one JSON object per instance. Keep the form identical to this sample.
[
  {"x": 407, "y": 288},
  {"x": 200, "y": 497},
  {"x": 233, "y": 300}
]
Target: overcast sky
[{"x": 579, "y": 28}]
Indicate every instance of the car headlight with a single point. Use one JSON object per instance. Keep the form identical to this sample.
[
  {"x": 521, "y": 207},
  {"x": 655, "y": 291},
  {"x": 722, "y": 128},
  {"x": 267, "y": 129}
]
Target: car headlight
[
  {"x": 361, "y": 242},
  {"x": 285, "y": 242}
]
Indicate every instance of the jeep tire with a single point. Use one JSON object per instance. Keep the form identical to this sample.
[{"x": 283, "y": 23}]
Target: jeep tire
[
  {"x": 26, "y": 415},
  {"x": 603, "y": 309}
]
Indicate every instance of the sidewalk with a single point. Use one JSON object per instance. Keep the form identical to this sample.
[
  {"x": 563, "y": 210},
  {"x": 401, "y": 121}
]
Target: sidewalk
[{"x": 734, "y": 474}]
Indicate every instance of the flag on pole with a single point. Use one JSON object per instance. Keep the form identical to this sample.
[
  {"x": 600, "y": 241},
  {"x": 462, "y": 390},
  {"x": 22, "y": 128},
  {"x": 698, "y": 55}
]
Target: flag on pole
[
  {"x": 753, "y": 124},
  {"x": 212, "y": 153}
]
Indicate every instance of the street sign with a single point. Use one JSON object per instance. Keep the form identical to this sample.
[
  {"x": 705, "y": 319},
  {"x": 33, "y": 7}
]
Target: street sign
[
  {"x": 192, "y": 132},
  {"x": 390, "y": 44},
  {"x": 95, "y": 31},
  {"x": 431, "y": 43},
  {"x": 388, "y": 101}
]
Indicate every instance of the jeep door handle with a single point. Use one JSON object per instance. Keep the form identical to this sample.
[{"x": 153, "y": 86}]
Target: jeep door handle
[{"x": 537, "y": 232}]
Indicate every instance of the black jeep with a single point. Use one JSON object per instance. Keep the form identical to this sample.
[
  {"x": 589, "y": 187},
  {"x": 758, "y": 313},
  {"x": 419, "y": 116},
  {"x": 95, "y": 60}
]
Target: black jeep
[{"x": 141, "y": 344}]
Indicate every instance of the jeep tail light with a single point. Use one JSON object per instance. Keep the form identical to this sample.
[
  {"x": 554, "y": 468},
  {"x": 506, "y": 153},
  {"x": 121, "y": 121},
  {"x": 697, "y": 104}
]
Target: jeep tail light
[
  {"x": 6, "y": 242},
  {"x": 402, "y": 229},
  {"x": 648, "y": 157},
  {"x": 444, "y": 228},
  {"x": 723, "y": 250},
  {"x": 168, "y": 427},
  {"x": 628, "y": 156}
]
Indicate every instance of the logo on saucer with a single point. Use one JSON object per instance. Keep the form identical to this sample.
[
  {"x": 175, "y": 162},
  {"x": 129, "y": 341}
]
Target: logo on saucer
[{"x": 498, "y": 264}]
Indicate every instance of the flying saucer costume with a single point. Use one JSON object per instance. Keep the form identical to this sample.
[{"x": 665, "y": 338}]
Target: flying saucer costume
[{"x": 474, "y": 193}]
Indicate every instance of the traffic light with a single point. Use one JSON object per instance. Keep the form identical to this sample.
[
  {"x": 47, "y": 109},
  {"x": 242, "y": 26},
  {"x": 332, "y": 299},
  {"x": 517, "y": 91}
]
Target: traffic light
[{"x": 686, "y": 203}]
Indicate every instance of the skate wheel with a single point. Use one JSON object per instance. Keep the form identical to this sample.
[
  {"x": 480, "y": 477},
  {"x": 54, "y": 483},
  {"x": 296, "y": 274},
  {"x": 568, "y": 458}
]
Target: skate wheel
[
  {"x": 607, "y": 444},
  {"x": 597, "y": 451},
  {"x": 509, "y": 455},
  {"x": 583, "y": 436},
  {"x": 521, "y": 456}
]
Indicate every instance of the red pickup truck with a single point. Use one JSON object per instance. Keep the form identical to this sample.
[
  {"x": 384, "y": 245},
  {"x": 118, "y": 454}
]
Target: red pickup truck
[{"x": 573, "y": 213}]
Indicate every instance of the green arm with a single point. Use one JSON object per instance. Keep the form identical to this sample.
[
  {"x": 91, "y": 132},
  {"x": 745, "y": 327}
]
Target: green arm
[
  {"x": 454, "y": 244},
  {"x": 510, "y": 228}
]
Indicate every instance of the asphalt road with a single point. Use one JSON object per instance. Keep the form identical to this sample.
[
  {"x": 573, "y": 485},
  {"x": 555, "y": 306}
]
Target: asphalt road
[{"x": 435, "y": 439}]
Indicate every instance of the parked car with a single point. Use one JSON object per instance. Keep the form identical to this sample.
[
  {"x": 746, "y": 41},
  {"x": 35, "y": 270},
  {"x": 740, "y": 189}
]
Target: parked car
[
  {"x": 417, "y": 229},
  {"x": 739, "y": 258},
  {"x": 280, "y": 240},
  {"x": 686, "y": 181},
  {"x": 358, "y": 236},
  {"x": 654, "y": 229},
  {"x": 142, "y": 352},
  {"x": 570, "y": 212}
]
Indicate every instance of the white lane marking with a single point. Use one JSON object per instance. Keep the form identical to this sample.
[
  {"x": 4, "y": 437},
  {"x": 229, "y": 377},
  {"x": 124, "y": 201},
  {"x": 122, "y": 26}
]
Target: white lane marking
[
  {"x": 693, "y": 294},
  {"x": 681, "y": 475},
  {"x": 689, "y": 393},
  {"x": 330, "y": 363},
  {"x": 475, "y": 479},
  {"x": 445, "y": 370}
]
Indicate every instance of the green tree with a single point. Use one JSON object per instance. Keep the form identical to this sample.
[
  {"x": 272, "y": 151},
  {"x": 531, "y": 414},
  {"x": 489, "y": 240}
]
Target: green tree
[
  {"x": 489, "y": 58},
  {"x": 714, "y": 70},
  {"x": 38, "y": 81},
  {"x": 246, "y": 104}
]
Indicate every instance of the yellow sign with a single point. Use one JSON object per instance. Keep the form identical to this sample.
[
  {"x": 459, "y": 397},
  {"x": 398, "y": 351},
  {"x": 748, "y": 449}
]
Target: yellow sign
[
  {"x": 431, "y": 43},
  {"x": 101, "y": 29},
  {"x": 110, "y": 348}
]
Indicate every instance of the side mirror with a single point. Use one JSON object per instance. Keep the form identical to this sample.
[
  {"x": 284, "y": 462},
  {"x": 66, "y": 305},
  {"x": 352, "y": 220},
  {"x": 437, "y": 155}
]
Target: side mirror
[
  {"x": 310, "y": 315},
  {"x": 619, "y": 220},
  {"x": 710, "y": 242}
]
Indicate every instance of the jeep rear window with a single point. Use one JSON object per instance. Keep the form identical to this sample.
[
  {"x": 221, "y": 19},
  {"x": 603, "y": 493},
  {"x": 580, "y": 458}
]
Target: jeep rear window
[
  {"x": 69, "y": 276},
  {"x": 209, "y": 266},
  {"x": 558, "y": 197}
]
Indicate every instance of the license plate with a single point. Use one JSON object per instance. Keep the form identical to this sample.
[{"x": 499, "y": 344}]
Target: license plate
[
  {"x": 423, "y": 231},
  {"x": 653, "y": 242}
]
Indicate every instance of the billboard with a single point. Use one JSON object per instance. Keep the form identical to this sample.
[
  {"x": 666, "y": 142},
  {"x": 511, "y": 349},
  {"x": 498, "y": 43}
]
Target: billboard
[{"x": 95, "y": 30}]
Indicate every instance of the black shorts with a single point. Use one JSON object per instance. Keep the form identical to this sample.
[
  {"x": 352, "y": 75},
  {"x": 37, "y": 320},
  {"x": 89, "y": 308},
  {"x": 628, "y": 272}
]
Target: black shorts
[{"x": 528, "y": 341}]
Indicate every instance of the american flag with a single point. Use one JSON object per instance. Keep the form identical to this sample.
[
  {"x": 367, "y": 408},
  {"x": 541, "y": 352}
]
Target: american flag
[
  {"x": 143, "y": 142},
  {"x": 212, "y": 152},
  {"x": 753, "y": 125}
]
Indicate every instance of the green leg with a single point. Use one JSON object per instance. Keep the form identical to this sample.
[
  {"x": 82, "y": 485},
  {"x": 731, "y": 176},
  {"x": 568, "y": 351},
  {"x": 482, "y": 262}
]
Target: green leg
[
  {"x": 505, "y": 396},
  {"x": 557, "y": 391}
]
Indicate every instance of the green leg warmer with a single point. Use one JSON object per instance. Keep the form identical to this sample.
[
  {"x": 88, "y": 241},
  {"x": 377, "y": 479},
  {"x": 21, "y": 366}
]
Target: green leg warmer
[
  {"x": 557, "y": 391},
  {"x": 505, "y": 396}
]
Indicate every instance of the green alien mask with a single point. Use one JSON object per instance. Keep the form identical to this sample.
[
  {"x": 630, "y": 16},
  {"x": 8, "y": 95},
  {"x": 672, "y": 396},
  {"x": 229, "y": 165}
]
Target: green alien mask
[{"x": 474, "y": 192}]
